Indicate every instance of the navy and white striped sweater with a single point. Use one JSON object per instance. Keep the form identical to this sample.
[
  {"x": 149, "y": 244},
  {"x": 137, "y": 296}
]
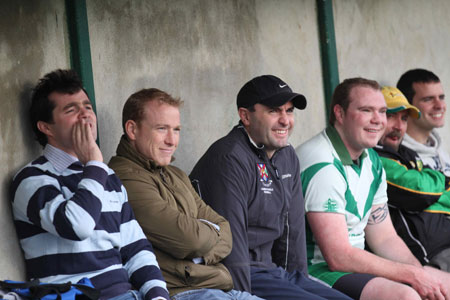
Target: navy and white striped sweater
[{"x": 74, "y": 221}]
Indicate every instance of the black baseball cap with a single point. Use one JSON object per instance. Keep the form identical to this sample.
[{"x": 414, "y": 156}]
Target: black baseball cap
[{"x": 268, "y": 90}]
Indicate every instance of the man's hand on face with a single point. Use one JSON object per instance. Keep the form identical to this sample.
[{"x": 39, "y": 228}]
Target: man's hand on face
[{"x": 84, "y": 144}]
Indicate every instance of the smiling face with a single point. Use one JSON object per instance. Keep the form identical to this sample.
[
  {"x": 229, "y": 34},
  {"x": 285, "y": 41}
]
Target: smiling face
[
  {"x": 429, "y": 98},
  {"x": 395, "y": 129},
  {"x": 69, "y": 109},
  {"x": 363, "y": 124},
  {"x": 156, "y": 136},
  {"x": 269, "y": 126}
]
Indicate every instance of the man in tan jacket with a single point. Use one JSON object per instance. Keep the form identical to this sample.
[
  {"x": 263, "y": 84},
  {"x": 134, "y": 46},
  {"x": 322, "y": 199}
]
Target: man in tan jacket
[{"x": 190, "y": 239}]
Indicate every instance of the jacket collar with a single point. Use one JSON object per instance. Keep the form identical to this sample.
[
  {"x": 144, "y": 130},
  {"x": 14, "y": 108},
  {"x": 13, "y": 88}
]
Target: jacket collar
[
  {"x": 126, "y": 150},
  {"x": 340, "y": 148}
]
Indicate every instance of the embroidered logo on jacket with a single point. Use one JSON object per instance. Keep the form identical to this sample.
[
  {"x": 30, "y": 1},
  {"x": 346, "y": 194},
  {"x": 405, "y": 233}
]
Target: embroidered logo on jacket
[
  {"x": 263, "y": 172},
  {"x": 418, "y": 164}
]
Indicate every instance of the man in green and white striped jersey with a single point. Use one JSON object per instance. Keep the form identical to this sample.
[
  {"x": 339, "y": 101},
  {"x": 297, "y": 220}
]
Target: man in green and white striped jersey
[{"x": 344, "y": 186}]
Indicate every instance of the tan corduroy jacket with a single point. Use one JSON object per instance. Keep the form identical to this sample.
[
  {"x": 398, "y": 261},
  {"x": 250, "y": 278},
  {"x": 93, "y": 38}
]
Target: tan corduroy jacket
[{"x": 172, "y": 216}]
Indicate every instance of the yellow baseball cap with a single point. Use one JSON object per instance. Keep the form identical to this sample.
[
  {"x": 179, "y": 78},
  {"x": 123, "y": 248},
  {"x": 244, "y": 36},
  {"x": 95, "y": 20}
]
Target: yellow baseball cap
[{"x": 396, "y": 101}]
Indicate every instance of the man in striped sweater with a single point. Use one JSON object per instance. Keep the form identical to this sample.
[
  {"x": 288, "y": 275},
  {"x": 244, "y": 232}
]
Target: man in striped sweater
[{"x": 70, "y": 210}]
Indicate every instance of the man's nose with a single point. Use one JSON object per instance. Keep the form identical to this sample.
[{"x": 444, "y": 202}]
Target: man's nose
[
  {"x": 82, "y": 114},
  {"x": 377, "y": 117},
  {"x": 439, "y": 103},
  {"x": 170, "y": 138},
  {"x": 283, "y": 119}
]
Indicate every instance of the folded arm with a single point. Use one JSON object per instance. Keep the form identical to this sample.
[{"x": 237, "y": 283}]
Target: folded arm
[
  {"x": 411, "y": 189},
  {"x": 225, "y": 190},
  {"x": 168, "y": 227}
]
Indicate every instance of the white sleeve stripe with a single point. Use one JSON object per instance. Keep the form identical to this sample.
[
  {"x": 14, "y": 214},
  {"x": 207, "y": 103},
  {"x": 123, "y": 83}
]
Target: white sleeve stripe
[
  {"x": 140, "y": 259},
  {"x": 152, "y": 284}
]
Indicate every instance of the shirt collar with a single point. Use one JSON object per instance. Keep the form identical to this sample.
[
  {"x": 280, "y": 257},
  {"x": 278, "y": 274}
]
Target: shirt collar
[
  {"x": 340, "y": 148},
  {"x": 58, "y": 158}
]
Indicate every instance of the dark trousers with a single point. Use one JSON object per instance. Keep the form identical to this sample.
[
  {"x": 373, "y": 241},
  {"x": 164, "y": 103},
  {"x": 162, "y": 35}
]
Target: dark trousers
[{"x": 278, "y": 284}]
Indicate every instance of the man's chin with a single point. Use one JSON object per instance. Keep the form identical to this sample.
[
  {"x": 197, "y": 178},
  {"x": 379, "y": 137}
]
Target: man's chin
[{"x": 393, "y": 145}]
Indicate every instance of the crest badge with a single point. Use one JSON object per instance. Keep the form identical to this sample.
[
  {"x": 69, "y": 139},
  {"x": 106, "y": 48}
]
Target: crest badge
[{"x": 263, "y": 172}]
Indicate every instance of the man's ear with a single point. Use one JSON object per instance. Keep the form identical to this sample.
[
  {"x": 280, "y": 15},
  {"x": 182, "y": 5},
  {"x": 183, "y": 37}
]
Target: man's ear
[
  {"x": 338, "y": 113},
  {"x": 244, "y": 114},
  {"x": 130, "y": 129},
  {"x": 44, "y": 127}
]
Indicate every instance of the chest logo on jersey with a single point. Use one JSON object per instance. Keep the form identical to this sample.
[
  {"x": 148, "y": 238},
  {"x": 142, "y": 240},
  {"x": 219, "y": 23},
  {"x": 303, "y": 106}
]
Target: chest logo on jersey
[{"x": 263, "y": 172}]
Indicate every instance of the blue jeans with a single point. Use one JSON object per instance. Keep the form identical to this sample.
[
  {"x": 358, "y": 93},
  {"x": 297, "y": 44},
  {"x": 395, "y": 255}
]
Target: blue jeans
[
  {"x": 278, "y": 284},
  {"x": 214, "y": 294},
  {"x": 130, "y": 295}
]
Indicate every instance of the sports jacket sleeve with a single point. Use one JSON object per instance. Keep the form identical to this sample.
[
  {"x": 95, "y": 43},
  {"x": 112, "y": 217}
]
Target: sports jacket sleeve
[
  {"x": 412, "y": 189},
  {"x": 295, "y": 245},
  {"x": 224, "y": 185},
  {"x": 224, "y": 246}
]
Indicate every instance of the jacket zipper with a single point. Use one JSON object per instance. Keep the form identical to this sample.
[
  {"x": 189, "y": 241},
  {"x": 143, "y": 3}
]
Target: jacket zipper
[
  {"x": 163, "y": 176},
  {"x": 287, "y": 212}
]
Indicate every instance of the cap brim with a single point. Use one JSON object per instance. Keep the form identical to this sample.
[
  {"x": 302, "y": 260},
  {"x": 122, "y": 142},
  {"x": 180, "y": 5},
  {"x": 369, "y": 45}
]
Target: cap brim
[
  {"x": 413, "y": 111},
  {"x": 280, "y": 99}
]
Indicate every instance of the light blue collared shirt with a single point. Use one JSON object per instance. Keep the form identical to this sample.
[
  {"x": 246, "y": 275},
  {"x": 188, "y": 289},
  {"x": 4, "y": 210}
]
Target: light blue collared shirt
[{"x": 61, "y": 160}]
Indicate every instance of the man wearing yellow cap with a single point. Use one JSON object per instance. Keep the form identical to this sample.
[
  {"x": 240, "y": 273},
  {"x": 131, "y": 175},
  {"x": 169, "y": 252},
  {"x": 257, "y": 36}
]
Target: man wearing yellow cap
[{"x": 417, "y": 195}]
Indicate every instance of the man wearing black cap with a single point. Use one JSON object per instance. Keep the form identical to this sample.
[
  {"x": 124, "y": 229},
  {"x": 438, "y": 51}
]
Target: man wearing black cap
[{"x": 252, "y": 178}]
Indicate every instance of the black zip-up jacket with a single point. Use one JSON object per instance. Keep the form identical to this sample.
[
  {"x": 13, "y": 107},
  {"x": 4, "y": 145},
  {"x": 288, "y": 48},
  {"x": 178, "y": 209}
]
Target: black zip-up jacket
[
  {"x": 409, "y": 194},
  {"x": 261, "y": 198}
]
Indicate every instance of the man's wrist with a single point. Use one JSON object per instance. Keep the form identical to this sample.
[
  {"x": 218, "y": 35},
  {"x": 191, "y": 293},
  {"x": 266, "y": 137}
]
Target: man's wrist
[{"x": 97, "y": 163}]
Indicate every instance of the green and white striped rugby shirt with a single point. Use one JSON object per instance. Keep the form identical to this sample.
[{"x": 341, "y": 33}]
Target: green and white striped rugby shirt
[{"x": 333, "y": 183}]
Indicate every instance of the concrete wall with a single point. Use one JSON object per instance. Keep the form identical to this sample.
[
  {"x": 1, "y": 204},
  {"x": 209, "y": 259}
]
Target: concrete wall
[
  {"x": 32, "y": 41},
  {"x": 383, "y": 39},
  {"x": 202, "y": 51}
]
